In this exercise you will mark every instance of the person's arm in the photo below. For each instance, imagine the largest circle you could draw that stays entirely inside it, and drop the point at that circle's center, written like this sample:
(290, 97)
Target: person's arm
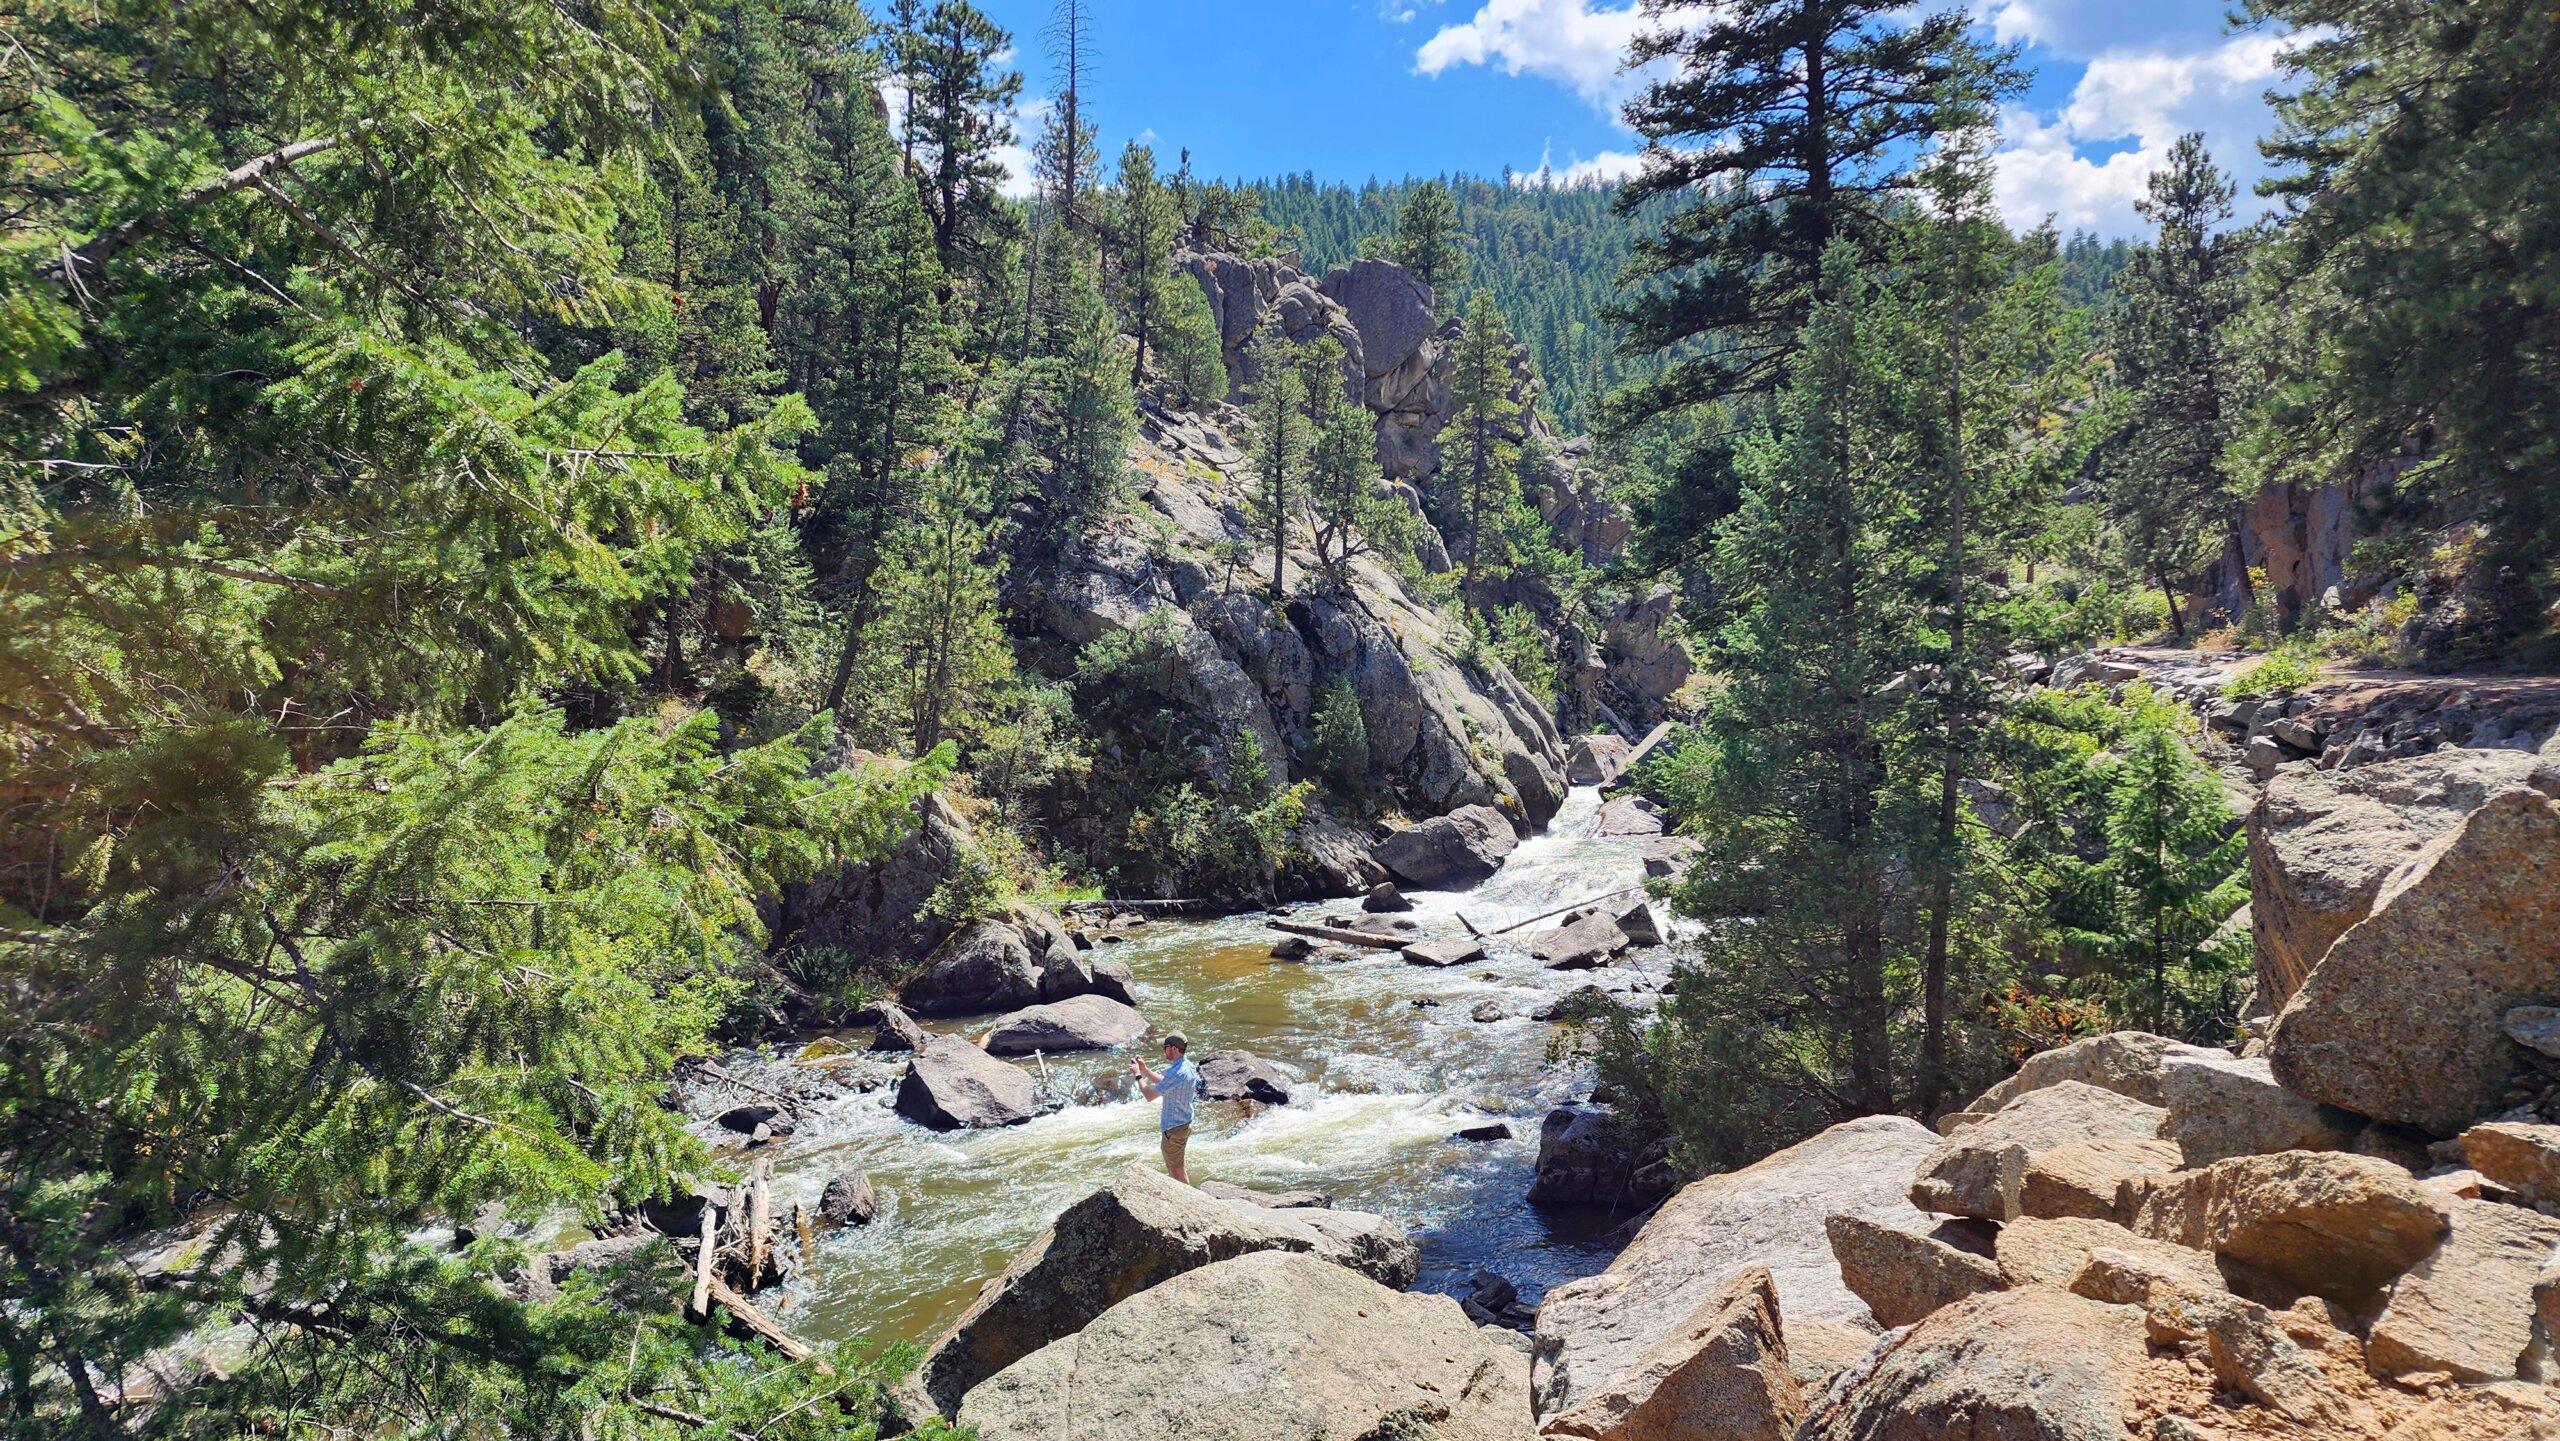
(1147, 1079)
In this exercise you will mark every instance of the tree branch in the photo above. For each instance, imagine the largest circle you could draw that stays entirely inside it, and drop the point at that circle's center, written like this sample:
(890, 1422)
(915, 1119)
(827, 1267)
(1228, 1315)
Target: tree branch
(94, 255)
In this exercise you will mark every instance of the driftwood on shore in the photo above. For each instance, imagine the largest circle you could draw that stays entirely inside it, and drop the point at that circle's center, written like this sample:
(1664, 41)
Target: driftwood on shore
(1185, 907)
(1344, 934)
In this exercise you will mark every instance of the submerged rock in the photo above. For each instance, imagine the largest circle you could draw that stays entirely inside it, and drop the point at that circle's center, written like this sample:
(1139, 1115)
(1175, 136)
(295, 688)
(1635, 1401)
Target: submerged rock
(1456, 951)
(1138, 1232)
(1268, 1345)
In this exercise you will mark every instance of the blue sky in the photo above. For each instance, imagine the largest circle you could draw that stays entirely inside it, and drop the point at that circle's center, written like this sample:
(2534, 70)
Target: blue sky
(1349, 89)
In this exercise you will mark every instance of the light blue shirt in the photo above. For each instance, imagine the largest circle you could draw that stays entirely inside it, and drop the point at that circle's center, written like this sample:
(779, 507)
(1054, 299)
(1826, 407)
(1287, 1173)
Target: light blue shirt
(1179, 1086)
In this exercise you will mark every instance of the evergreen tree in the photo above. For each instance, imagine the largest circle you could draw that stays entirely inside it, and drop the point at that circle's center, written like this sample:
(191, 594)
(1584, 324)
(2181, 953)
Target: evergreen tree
(938, 646)
(1148, 283)
(2168, 493)
(1281, 438)
(1785, 126)
(2416, 276)
(960, 122)
(2151, 911)
(1072, 404)
(1427, 239)
(1788, 1022)
(1351, 512)
(1478, 453)
(1195, 359)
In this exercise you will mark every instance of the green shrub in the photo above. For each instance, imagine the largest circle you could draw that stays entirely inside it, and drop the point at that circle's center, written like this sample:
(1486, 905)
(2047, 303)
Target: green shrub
(1339, 745)
(2280, 672)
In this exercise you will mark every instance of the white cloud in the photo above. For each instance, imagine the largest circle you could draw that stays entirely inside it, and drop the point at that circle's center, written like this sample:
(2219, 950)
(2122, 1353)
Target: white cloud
(1564, 40)
(2136, 104)
(1600, 169)
(1029, 114)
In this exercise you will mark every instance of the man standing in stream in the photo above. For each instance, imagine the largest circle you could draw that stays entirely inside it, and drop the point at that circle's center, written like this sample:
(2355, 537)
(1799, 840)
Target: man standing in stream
(1179, 1086)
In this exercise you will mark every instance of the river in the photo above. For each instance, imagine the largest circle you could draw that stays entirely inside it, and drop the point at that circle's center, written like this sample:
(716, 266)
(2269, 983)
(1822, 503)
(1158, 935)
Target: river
(1389, 1061)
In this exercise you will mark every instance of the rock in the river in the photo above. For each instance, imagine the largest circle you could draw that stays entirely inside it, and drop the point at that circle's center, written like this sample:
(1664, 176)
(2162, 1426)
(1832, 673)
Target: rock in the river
(1082, 1023)
(745, 1119)
(848, 1199)
(2523, 1158)
(1491, 1131)
(1292, 948)
(1668, 855)
(1259, 1348)
(1460, 848)
(1627, 816)
(1583, 1158)
(2035, 1364)
(1770, 1213)
(1141, 1230)
(2125, 1062)
(1456, 951)
(2322, 842)
(1114, 981)
(1587, 939)
(1905, 1275)
(1595, 760)
(1980, 1170)
(2221, 1107)
(1722, 1373)
(987, 965)
(897, 1031)
(2466, 1309)
(1065, 973)
(1385, 897)
(1233, 1075)
(2405, 1018)
(951, 1085)
(2323, 1223)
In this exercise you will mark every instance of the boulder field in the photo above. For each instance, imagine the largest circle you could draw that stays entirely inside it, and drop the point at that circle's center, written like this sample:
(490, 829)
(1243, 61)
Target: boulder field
(2352, 1232)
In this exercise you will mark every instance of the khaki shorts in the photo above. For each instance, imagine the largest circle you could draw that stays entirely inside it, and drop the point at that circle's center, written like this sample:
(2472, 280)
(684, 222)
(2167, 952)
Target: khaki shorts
(1174, 1141)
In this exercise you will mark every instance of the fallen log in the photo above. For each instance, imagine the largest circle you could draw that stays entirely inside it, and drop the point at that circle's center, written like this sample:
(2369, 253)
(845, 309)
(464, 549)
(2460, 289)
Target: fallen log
(745, 1313)
(1185, 907)
(1560, 910)
(1343, 934)
(759, 1219)
(702, 1259)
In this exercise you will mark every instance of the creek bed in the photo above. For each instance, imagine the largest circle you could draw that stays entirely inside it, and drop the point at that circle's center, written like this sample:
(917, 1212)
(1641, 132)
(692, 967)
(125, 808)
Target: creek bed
(1383, 1083)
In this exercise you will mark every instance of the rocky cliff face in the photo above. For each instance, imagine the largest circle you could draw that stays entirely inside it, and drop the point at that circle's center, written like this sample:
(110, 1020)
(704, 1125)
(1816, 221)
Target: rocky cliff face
(1397, 353)
(1445, 729)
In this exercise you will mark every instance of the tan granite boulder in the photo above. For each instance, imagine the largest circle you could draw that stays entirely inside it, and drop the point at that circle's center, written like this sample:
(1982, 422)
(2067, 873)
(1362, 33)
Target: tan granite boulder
(1905, 1275)
(2321, 1223)
(2523, 1158)
(1979, 1170)
(1723, 1373)
(2466, 1310)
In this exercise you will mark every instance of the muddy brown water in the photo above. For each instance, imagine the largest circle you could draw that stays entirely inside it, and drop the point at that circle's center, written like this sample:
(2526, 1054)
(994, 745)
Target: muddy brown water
(1389, 1064)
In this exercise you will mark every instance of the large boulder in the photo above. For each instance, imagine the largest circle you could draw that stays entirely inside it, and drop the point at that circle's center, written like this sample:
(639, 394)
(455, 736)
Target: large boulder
(988, 965)
(2036, 1364)
(1080, 1023)
(1596, 760)
(1584, 1159)
(876, 909)
(1905, 1275)
(1393, 312)
(1589, 938)
(2031, 1251)
(1460, 848)
(2404, 1019)
(848, 1199)
(1233, 1075)
(1257, 1348)
(1140, 1231)
(2125, 1062)
(1980, 1170)
(2323, 842)
(2230, 1106)
(951, 1085)
(2523, 1158)
(1722, 1373)
(1770, 1214)
(2319, 1223)
(897, 1030)
(2466, 1309)
(2087, 1178)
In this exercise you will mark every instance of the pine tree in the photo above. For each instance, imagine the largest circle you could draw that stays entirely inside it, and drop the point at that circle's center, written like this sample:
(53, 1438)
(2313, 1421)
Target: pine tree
(1786, 126)
(1148, 284)
(2167, 490)
(1351, 511)
(1073, 410)
(1195, 358)
(1427, 238)
(964, 99)
(1280, 441)
(1478, 452)
(937, 646)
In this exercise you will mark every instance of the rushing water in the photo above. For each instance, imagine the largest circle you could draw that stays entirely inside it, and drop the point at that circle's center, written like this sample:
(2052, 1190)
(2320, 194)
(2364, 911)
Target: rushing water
(1383, 1083)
